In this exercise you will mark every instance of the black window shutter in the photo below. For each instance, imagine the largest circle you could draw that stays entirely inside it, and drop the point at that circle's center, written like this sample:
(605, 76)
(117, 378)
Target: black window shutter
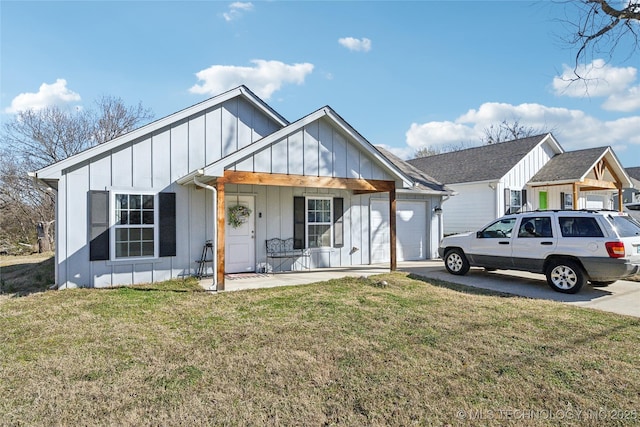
(298, 223)
(338, 222)
(98, 225)
(523, 200)
(167, 224)
(507, 201)
(561, 200)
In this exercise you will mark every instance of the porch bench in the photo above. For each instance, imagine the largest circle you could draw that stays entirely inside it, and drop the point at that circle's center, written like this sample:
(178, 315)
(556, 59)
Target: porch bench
(282, 250)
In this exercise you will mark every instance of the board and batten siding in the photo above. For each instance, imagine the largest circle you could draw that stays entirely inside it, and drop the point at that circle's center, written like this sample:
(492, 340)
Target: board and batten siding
(152, 162)
(274, 218)
(417, 232)
(527, 167)
(317, 149)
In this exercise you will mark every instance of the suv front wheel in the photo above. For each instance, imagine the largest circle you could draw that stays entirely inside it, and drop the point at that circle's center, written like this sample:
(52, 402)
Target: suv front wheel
(565, 276)
(455, 262)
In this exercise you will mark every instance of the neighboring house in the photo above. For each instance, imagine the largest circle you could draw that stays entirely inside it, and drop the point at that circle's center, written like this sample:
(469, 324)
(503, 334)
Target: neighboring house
(141, 208)
(489, 180)
(522, 175)
(586, 179)
(632, 195)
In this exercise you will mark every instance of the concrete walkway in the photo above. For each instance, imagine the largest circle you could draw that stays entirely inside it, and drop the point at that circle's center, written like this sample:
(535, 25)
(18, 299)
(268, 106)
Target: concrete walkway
(290, 278)
(622, 297)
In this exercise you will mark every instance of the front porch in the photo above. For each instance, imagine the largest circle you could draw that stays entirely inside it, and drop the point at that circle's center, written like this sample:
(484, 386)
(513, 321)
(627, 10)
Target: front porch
(292, 278)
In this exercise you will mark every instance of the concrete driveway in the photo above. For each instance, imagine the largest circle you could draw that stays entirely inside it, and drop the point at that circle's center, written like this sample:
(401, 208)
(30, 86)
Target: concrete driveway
(622, 297)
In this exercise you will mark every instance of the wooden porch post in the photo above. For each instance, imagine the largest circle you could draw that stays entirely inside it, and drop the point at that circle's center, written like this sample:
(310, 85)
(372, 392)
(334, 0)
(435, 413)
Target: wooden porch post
(392, 228)
(620, 204)
(220, 243)
(576, 189)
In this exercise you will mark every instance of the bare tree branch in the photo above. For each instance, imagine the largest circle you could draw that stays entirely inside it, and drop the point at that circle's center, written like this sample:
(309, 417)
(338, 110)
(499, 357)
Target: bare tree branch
(601, 26)
(34, 139)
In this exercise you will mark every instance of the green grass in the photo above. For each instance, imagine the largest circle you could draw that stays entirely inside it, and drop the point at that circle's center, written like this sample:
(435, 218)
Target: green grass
(344, 352)
(25, 274)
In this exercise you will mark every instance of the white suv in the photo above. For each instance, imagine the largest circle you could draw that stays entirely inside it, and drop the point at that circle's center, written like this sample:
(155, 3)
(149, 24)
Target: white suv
(569, 247)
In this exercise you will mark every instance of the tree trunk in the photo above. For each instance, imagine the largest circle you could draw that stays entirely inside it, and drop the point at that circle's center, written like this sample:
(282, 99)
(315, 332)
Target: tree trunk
(44, 242)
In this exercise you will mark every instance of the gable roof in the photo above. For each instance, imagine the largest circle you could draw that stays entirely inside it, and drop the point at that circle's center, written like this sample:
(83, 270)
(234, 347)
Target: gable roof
(217, 168)
(634, 174)
(422, 181)
(574, 166)
(485, 163)
(53, 171)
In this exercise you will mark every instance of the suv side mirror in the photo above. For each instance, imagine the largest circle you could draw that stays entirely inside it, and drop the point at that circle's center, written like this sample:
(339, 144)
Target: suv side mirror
(479, 234)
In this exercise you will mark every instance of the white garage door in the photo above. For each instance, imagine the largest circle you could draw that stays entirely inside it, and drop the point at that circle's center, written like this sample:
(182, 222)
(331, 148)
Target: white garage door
(411, 231)
(595, 202)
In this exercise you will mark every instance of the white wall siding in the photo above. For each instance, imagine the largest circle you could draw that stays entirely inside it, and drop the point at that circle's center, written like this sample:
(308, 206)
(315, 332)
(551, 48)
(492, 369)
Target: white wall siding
(152, 163)
(179, 150)
(521, 173)
(311, 148)
(142, 165)
(316, 150)
(326, 153)
(197, 142)
(471, 211)
(121, 167)
(78, 269)
(161, 159)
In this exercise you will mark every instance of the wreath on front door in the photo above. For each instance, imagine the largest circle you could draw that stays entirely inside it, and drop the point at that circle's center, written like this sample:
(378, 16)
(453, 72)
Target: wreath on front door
(238, 215)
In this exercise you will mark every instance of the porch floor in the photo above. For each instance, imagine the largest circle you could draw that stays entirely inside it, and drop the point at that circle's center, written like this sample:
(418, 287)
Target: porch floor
(290, 278)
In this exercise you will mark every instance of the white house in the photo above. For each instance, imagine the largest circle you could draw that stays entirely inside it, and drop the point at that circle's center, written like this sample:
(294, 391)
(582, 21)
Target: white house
(140, 208)
(522, 175)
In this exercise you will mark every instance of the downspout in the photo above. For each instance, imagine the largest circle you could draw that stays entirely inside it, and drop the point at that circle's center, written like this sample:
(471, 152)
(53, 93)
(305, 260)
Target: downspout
(440, 219)
(215, 229)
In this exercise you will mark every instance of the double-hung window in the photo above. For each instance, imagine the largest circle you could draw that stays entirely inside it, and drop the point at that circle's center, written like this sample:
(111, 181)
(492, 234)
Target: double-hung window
(319, 222)
(135, 225)
(124, 226)
(514, 201)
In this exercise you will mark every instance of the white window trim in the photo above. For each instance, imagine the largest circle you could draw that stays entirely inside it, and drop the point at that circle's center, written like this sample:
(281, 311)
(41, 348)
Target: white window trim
(306, 220)
(113, 226)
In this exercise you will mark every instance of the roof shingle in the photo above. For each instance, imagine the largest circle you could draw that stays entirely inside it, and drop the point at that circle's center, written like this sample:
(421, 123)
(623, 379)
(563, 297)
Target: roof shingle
(488, 162)
(569, 166)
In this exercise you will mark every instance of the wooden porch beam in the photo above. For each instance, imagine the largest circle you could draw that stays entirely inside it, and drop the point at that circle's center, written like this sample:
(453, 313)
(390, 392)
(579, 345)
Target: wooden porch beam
(392, 229)
(220, 233)
(284, 180)
(595, 184)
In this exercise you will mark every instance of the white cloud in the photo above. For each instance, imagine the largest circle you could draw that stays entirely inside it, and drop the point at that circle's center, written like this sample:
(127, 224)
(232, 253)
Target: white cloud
(358, 45)
(625, 101)
(48, 95)
(264, 79)
(438, 133)
(573, 128)
(599, 79)
(236, 9)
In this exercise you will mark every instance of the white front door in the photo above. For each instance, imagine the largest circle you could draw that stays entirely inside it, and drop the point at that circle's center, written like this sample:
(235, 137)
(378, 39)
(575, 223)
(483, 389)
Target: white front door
(239, 242)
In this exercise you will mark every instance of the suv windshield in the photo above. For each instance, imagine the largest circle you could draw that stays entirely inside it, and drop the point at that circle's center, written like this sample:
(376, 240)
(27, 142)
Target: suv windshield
(624, 225)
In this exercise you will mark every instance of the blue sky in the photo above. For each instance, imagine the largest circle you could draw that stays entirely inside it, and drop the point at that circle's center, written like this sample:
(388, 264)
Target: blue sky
(404, 74)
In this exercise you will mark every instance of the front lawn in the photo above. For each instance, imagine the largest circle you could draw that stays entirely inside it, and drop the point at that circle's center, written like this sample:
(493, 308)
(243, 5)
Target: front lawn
(350, 351)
